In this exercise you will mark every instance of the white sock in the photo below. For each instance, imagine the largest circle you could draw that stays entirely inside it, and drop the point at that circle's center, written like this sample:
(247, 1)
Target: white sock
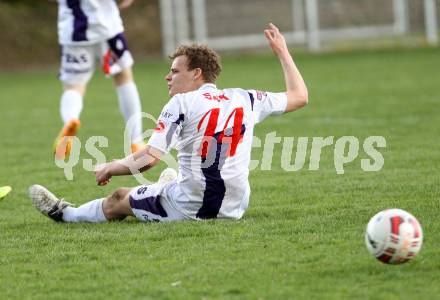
(88, 212)
(71, 105)
(130, 104)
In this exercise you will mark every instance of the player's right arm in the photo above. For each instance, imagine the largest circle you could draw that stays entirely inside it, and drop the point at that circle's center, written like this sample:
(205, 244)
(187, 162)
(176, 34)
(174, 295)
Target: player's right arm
(163, 139)
(296, 89)
(139, 161)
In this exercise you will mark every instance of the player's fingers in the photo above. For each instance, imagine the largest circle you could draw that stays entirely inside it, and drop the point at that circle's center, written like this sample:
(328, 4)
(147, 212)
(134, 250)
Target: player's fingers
(124, 4)
(271, 35)
(104, 182)
(274, 28)
(268, 35)
(99, 178)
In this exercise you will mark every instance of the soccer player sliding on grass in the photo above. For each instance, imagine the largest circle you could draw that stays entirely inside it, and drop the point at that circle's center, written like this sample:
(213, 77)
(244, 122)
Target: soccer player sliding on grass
(212, 130)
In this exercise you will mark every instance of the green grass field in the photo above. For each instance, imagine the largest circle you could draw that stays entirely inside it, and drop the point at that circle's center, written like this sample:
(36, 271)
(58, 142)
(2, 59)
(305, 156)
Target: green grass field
(301, 238)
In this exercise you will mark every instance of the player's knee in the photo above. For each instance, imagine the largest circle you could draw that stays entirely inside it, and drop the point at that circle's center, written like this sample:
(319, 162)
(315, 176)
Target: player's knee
(80, 88)
(113, 206)
(119, 194)
(125, 76)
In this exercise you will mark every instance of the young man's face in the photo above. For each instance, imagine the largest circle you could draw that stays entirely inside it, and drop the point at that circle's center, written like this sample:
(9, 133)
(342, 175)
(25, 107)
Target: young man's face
(180, 79)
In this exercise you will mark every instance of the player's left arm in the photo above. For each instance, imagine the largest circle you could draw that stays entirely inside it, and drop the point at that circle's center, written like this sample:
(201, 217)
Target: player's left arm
(139, 161)
(296, 89)
(125, 3)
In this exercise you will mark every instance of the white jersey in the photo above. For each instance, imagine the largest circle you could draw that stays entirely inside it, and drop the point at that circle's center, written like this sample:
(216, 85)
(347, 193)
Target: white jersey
(212, 131)
(85, 22)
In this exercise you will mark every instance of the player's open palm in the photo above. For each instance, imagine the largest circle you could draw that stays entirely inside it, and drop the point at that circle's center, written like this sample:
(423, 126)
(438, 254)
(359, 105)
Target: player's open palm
(276, 40)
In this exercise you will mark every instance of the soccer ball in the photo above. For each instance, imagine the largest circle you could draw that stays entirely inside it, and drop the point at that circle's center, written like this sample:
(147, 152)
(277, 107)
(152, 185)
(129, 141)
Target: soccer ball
(394, 236)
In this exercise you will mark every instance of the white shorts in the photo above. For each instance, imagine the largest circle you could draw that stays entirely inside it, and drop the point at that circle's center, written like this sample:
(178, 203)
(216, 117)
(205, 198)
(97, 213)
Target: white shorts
(150, 203)
(78, 62)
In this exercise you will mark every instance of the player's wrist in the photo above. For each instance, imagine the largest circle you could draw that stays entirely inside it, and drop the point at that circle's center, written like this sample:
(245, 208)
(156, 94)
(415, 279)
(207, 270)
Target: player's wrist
(284, 54)
(117, 167)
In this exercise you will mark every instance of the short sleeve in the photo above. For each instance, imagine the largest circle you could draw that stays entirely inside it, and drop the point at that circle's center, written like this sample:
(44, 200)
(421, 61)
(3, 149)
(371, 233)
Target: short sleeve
(266, 103)
(168, 127)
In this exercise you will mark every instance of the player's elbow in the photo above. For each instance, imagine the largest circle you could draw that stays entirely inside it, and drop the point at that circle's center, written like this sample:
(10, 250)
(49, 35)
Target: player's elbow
(297, 100)
(303, 98)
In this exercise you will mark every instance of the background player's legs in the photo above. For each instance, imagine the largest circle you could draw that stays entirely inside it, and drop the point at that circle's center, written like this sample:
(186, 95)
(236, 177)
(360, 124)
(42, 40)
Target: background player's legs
(130, 104)
(70, 108)
(72, 102)
(117, 61)
(77, 67)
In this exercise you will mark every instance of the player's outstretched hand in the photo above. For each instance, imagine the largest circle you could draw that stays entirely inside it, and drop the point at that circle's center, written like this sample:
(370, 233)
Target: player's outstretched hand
(102, 174)
(276, 40)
